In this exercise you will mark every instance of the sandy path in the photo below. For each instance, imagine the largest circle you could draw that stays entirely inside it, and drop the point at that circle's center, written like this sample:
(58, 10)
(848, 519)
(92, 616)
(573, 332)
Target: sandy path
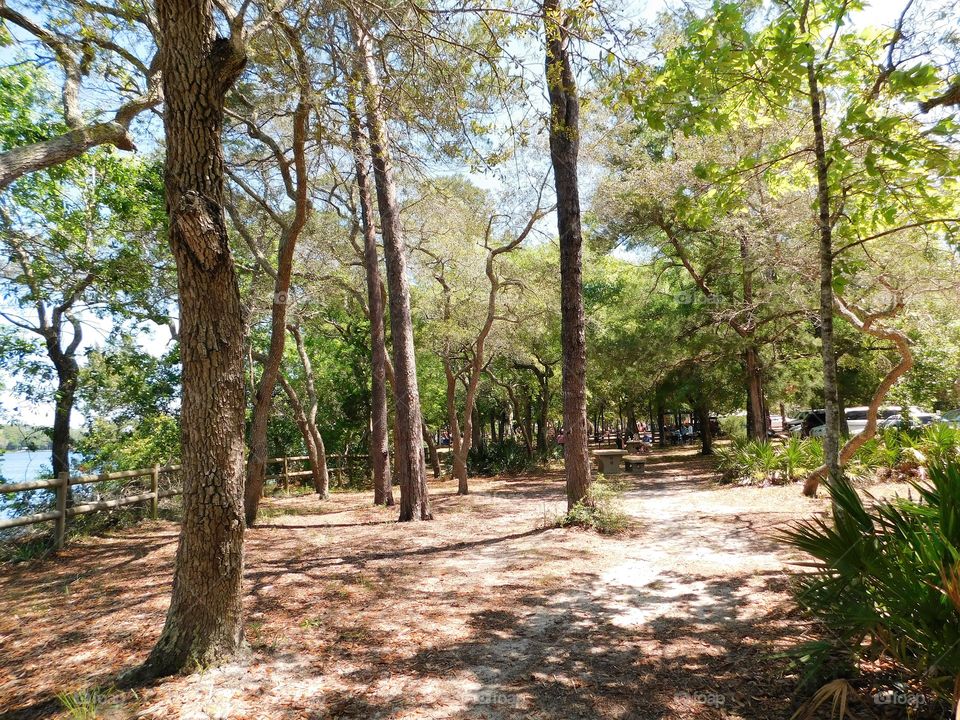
(486, 612)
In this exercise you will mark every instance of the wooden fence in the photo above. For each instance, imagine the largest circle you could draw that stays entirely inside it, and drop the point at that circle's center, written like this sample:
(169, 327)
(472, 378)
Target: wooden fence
(61, 486)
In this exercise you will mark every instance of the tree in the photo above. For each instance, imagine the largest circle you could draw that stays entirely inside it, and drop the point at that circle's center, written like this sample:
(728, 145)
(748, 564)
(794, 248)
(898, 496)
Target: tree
(379, 361)
(874, 170)
(409, 456)
(81, 37)
(292, 167)
(564, 146)
(204, 621)
(462, 253)
(73, 252)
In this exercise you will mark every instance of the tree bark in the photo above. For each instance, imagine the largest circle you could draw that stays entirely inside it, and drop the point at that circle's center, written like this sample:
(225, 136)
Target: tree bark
(756, 415)
(831, 441)
(68, 372)
(204, 621)
(318, 461)
(379, 442)
(324, 490)
(409, 456)
(434, 456)
(564, 148)
(866, 323)
(290, 232)
(706, 434)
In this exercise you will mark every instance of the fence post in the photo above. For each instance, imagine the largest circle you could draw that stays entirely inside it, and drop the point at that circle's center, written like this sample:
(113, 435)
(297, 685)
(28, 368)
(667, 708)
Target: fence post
(62, 489)
(155, 489)
(286, 476)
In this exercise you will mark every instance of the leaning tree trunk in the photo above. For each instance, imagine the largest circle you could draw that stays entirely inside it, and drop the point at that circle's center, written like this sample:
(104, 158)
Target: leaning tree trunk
(564, 148)
(379, 441)
(866, 323)
(831, 441)
(263, 402)
(204, 621)
(318, 461)
(324, 490)
(409, 457)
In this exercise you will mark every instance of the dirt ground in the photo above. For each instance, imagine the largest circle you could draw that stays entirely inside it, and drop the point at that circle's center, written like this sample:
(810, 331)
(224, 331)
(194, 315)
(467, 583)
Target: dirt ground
(487, 612)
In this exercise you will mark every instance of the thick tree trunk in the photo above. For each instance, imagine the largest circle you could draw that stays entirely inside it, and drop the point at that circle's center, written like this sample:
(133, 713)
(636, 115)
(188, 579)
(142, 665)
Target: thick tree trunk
(318, 461)
(756, 415)
(409, 456)
(706, 434)
(68, 372)
(379, 442)
(204, 621)
(831, 441)
(564, 148)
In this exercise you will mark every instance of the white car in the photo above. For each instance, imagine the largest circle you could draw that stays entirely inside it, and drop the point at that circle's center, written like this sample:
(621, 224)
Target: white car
(888, 416)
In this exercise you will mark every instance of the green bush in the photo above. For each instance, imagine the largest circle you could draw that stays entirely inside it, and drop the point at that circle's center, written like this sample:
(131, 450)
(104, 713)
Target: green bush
(734, 427)
(759, 461)
(507, 457)
(602, 510)
(887, 578)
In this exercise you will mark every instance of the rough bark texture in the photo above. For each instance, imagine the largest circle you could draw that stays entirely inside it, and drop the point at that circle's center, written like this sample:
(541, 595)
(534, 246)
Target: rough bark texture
(379, 442)
(831, 441)
(564, 148)
(756, 415)
(409, 456)
(204, 620)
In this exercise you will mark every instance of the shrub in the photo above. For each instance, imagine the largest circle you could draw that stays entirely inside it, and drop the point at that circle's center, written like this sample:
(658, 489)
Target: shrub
(734, 427)
(887, 577)
(507, 457)
(602, 510)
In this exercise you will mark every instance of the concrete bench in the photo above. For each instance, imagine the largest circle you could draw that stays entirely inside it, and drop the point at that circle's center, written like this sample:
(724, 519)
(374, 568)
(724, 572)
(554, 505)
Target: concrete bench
(635, 463)
(609, 461)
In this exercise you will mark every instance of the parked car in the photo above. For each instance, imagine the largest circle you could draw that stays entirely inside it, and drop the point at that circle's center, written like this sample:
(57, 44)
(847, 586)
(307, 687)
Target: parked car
(795, 425)
(951, 417)
(887, 416)
(911, 420)
(814, 423)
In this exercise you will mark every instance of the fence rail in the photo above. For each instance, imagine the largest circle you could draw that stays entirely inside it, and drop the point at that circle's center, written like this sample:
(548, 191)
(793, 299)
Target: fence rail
(61, 486)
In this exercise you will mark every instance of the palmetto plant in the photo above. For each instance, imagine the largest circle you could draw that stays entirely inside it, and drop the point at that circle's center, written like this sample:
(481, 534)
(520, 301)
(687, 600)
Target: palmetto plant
(887, 576)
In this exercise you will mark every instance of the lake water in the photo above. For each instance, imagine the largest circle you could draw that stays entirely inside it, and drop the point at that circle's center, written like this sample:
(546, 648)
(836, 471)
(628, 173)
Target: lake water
(24, 465)
(20, 466)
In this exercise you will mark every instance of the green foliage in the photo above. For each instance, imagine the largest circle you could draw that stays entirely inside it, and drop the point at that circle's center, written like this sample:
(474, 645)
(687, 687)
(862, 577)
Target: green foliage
(496, 458)
(13, 437)
(762, 462)
(601, 511)
(886, 579)
(84, 704)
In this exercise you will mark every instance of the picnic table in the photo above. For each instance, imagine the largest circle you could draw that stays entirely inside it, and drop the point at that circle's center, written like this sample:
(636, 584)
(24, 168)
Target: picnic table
(609, 460)
(638, 446)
